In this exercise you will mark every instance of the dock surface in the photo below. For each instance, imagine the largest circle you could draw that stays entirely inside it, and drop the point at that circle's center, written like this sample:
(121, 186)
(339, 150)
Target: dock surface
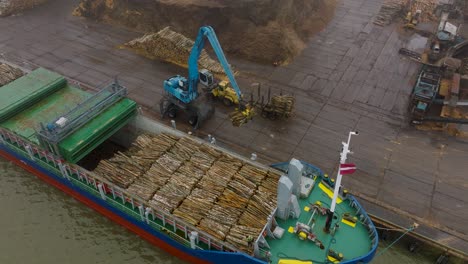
(349, 77)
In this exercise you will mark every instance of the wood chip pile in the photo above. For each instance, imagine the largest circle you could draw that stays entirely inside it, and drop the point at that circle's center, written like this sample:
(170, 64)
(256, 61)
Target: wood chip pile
(390, 10)
(218, 193)
(173, 47)
(9, 73)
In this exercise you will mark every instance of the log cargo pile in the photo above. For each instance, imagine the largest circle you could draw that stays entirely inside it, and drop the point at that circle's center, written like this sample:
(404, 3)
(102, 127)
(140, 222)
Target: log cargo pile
(390, 10)
(427, 8)
(173, 47)
(282, 105)
(9, 73)
(219, 193)
(10, 7)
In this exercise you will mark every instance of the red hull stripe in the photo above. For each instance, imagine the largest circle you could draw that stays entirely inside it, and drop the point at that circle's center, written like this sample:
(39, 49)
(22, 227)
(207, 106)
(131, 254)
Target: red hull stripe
(114, 217)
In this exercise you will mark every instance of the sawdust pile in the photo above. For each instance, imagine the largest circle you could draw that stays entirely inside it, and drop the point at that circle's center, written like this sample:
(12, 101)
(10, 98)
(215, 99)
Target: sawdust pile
(10, 7)
(173, 47)
(263, 30)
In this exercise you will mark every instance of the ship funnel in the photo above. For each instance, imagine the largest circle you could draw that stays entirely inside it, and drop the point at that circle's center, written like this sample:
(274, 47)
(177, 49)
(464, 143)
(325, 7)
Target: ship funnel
(295, 175)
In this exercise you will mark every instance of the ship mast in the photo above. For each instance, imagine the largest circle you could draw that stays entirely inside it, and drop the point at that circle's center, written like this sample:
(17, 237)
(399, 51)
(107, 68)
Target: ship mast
(343, 156)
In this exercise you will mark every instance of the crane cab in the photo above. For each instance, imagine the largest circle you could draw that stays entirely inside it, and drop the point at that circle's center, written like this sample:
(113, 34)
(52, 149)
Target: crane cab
(206, 78)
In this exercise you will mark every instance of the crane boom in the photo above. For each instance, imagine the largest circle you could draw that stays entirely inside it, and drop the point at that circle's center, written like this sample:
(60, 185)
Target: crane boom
(207, 32)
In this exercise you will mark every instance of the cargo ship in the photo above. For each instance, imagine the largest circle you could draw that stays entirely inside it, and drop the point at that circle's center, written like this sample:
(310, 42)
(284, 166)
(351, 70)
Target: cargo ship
(193, 199)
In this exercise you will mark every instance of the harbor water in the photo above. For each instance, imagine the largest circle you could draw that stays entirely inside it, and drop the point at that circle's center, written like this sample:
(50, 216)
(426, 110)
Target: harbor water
(42, 225)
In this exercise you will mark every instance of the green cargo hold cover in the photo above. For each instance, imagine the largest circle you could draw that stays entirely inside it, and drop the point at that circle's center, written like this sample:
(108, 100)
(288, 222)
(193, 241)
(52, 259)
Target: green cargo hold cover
(91, 135)
(24, 92)
(48, 109)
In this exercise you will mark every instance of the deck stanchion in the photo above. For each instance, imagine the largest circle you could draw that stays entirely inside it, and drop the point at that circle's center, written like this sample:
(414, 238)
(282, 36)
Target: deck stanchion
(30, 152)
(101, 191)
(142, 212)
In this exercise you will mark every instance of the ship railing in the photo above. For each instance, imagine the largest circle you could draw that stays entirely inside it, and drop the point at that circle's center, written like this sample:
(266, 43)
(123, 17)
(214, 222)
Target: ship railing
(147, 212)
(266, 231)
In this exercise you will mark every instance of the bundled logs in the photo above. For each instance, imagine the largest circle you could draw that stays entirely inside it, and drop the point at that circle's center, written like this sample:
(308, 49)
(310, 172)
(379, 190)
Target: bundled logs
(120, 169)
(220, 194)
(282, 105)
(464, 67)
(9, 74)
(10, 7)
(389, 11)
(173, 47)
(427, 8)
(240, 235)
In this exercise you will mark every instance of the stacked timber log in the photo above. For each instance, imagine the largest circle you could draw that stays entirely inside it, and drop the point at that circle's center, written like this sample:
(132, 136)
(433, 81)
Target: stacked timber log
(239, 235)
(282, 105)
(464, 67)
(219, 193)
(427, 8)
(10, 7)
(173, 47)
(390, 10)
(9, 73)
(120, 169)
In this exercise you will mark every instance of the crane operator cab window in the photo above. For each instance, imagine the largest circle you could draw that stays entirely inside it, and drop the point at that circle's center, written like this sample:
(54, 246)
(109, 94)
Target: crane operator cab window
(183, 85)
(206, 77)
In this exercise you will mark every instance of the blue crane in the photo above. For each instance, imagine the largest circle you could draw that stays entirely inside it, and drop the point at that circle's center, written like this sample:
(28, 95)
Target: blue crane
(183, 94)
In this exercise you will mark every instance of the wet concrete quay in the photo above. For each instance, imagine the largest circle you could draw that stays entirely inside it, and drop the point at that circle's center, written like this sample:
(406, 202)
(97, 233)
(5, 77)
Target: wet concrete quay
(350, 77)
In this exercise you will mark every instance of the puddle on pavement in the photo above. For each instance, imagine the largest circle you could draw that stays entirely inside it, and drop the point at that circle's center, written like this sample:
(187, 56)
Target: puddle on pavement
(417, 43)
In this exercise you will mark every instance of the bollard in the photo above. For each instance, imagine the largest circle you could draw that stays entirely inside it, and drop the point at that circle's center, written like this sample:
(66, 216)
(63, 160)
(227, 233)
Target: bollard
(253, 156)
(173, 124)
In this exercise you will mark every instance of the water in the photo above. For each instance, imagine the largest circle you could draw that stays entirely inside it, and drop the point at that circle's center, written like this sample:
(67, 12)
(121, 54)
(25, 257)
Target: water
(42, 225)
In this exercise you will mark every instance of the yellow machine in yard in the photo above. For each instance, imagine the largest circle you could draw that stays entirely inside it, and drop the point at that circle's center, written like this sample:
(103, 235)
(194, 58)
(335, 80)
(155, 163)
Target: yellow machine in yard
(226, 93)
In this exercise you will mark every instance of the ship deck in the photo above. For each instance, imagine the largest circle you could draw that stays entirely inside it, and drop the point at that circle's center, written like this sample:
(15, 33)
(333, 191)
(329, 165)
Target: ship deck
(352, 241)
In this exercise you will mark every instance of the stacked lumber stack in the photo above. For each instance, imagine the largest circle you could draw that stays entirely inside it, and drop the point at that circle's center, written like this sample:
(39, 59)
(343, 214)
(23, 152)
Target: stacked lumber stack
(173, 47)
(9, 73)
(390, 10)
